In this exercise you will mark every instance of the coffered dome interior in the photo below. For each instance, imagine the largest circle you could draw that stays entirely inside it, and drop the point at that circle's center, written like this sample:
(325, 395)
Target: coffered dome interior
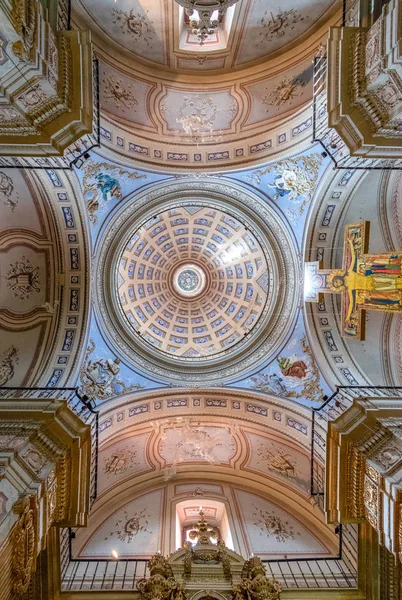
(193, 281)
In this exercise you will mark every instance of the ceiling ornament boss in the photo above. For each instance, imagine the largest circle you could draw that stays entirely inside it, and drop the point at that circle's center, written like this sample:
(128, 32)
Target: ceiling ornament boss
(208, 12)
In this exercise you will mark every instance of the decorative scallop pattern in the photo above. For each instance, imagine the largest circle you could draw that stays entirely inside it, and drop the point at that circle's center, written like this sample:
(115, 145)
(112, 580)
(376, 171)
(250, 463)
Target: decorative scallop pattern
(196, 243)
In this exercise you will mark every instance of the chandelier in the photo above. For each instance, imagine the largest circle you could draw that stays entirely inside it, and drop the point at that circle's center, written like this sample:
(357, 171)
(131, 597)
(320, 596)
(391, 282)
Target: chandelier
(208, 13)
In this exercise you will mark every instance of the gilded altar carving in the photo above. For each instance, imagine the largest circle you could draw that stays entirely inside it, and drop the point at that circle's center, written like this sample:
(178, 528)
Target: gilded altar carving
(255, 584)
(161, 585)
(355, 483)
(24, 547)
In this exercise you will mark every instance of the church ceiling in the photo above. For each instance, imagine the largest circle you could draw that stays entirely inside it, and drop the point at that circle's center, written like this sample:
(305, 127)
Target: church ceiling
(285, 190)
(150, 31)
(167, 106)
(44, 278)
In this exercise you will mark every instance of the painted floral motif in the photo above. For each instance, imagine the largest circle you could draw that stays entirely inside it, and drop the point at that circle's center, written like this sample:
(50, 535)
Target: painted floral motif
(286, 90)
(120, 461)
(293, 178)
(23, 279)
(101, 182)
(273, 526)
(277, 460)
(300, 377)
(275, 25)
(7, 196)
(134, 24)
(7, 363)
(131, 525)
(99, 377)
(118, 95)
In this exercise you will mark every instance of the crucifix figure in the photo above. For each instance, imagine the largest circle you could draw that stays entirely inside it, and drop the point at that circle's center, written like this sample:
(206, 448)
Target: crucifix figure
(366, 281)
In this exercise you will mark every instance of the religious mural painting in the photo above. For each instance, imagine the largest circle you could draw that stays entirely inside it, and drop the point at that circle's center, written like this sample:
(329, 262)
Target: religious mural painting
(294, 178)
(366, 281)
(296, 376)
(102, 182)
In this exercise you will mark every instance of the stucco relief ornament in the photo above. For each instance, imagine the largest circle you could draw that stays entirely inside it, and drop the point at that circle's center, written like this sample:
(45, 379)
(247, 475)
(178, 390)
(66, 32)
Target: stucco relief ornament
(118, 95)
(134, 24)
(131, 525)
(101, 183)
(99, 378)
(293, 178)
(288, 89)
(23, 279)
(7, 194)
(119, 461)
(7, 362)
(277, 460)
(271, 525)
(275, 25)
(189, 443)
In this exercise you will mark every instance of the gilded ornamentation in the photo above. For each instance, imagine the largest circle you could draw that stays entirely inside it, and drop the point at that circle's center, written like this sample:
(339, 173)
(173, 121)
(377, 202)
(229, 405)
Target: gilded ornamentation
(294, 177)
(371, 501)
(121, 97)
(277, 460)
(271, 525)
(161, 585)
(288, 89)
(7, 196)
(275, 25)
(24, 553)
(100, 187)
(24, 18)
(99, 378)
(119, 461)
(35, 459)
(254, 583)
(134, 24)
(23, 279)
(388, 457)
(32, 96)
(131, 525)
(7, 362)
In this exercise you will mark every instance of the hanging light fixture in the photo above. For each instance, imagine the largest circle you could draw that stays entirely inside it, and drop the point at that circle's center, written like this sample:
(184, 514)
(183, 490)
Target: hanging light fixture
(204, 15)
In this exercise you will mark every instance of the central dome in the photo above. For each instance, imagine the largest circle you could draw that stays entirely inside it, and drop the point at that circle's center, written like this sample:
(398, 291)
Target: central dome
(193, 281)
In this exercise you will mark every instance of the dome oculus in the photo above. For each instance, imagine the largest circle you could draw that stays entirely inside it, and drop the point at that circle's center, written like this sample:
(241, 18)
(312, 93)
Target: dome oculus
(189, 280)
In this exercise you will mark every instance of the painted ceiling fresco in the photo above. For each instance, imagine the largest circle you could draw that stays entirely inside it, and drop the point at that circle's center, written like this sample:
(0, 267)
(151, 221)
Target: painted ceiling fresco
(259, 29)
(289, 184)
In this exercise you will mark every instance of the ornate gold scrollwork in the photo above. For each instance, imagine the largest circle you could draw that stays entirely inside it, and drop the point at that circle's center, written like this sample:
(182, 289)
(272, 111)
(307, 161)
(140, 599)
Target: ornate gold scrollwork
(24, 548)
(161, 585)
(255, 584)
